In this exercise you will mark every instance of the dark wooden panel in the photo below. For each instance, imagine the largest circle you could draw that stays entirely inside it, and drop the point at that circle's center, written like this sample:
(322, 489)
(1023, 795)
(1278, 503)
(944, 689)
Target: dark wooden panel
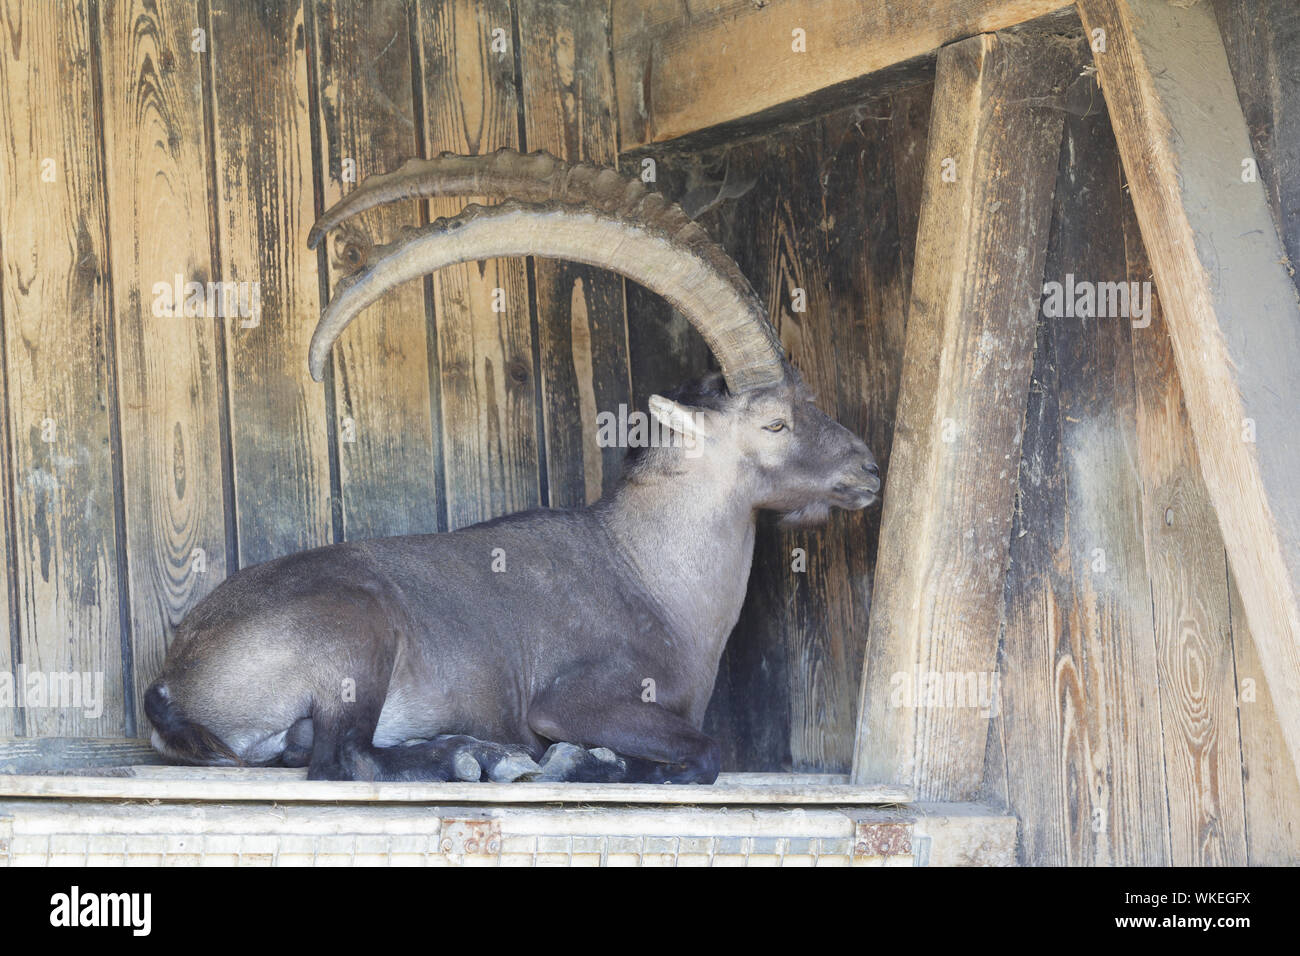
(265, 205)
(389, 448)
(59, 359)
(568, 92)
(664, 349)
(1084, 761)
(820, 217)
(909, 125)
(156, 159)
(485, 358)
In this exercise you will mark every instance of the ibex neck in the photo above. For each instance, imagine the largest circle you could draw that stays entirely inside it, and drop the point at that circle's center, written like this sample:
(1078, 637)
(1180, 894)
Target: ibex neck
(690, 542)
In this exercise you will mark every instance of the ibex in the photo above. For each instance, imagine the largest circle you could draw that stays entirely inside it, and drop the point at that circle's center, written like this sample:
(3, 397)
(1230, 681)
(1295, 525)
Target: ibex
(338, 658)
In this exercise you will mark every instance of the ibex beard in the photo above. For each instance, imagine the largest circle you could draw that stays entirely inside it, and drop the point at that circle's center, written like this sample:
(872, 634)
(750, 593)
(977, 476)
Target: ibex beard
(490, 643)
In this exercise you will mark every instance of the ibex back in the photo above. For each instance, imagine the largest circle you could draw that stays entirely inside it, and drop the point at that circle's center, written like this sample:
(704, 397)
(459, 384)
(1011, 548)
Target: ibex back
(602, 625)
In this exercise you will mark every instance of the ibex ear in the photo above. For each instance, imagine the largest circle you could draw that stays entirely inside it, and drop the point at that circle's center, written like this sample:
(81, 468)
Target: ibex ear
(682, 419)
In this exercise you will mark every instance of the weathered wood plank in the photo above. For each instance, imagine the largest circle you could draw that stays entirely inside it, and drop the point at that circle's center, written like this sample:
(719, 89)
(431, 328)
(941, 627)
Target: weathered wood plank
(1038, 726)
(1262, 40)
(909, 125)
(10, 643)
(1079, 673)
(568, 91)
(970, 333)
(1108, 622)
(160, 228)
(489, 416)
(680, 68)
(1268, 778)
(59, 360)
(389, 448)
(284, 785)
(1187, 570)
(41, 755)
(265, 205)
(1232, 309)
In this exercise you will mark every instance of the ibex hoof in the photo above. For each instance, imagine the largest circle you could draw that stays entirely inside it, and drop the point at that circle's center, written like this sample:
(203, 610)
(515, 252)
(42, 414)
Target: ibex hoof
(513, 767)
(569, 762)
(465, 767)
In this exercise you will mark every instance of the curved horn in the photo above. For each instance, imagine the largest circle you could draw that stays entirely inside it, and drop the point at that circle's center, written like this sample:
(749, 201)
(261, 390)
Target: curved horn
(567, 211)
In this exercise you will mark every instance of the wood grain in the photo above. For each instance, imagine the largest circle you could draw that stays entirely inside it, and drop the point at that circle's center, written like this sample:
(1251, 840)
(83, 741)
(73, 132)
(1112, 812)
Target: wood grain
(1079, 665)
(160, 227)
(485, 358)
(969, 348)
(1270, 788)
(389, 448)
(1232, 310)
(909, 125)
(265, 205)
(1188, 575)
(681, 68)
(581, 322)
(58, 344)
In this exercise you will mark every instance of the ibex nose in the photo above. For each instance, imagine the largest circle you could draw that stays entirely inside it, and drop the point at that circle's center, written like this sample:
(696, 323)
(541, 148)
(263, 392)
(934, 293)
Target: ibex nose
(873, 470)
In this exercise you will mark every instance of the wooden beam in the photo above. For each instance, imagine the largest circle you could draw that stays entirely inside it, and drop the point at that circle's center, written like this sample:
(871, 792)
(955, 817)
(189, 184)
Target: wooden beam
(680, 68)
(284, 785)
(989, 175)
(42, 832)
(60, 754)
(1231, 308)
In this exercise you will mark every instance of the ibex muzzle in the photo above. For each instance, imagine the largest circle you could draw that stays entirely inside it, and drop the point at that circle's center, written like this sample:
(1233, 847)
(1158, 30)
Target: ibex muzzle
(601, 626)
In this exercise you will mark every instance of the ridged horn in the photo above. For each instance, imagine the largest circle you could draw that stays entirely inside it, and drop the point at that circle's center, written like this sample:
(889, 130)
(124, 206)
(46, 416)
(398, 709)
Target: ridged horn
(558, 210)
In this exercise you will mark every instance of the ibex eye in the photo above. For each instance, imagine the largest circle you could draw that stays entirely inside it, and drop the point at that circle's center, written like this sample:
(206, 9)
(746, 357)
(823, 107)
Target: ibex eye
(776, 426)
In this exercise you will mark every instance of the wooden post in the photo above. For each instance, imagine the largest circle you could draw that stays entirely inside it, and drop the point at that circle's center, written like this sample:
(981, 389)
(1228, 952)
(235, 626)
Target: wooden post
(989, 180)
(1231, 308)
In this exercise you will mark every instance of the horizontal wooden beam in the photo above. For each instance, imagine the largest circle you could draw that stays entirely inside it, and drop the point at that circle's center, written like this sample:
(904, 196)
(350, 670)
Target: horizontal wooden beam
(284, 785)
(1231, 308)
(102, 833)
(681, 67)
(989, 177)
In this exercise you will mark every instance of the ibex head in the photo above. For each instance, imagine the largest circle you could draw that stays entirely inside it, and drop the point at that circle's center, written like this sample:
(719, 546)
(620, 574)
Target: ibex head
(772, 444)
(755, 420)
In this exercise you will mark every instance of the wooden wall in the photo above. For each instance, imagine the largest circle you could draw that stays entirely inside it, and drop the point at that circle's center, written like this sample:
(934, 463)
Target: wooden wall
(148, 457)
